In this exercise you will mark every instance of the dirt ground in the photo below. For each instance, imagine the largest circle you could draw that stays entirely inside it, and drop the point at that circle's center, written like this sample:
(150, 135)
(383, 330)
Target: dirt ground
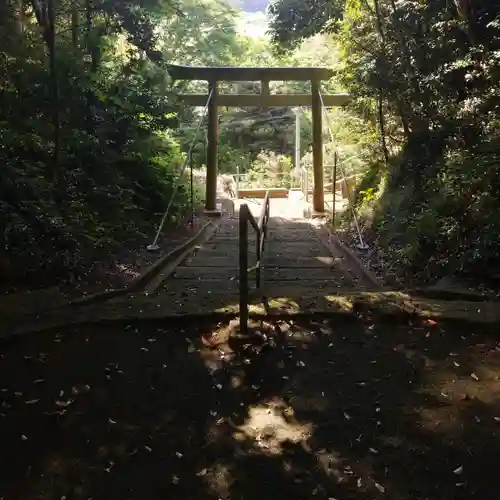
(328, 409)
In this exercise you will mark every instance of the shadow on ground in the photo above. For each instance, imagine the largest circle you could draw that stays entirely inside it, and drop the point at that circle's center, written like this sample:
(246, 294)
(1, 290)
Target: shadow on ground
(345, 409)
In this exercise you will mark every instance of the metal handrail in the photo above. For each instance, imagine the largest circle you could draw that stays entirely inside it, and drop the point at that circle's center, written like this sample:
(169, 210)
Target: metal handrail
(260, 228)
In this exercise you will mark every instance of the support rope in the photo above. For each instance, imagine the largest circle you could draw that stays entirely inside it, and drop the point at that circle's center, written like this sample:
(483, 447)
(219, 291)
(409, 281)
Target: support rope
(154, 246)
(362, 244)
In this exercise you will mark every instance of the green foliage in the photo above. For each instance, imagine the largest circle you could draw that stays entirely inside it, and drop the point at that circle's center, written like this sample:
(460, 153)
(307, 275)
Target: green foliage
(270, 170)
(201, 33)
(116, 163)
(451, 228)
(425, 79)
(293, 20)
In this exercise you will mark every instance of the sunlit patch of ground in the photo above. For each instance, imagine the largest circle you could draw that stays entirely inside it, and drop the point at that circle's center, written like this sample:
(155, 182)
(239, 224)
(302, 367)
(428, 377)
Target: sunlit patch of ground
(268, 427)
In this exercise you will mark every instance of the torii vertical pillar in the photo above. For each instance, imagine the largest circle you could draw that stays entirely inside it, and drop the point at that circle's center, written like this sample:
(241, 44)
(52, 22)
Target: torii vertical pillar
(212, 152)
(317, 149)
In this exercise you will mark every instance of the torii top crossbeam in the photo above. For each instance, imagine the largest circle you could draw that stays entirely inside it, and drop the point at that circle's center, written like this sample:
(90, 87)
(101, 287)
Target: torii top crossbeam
(236, 74)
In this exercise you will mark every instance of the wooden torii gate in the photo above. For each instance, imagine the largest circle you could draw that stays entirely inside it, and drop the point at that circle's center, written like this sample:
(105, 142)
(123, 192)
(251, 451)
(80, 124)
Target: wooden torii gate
(213, 75)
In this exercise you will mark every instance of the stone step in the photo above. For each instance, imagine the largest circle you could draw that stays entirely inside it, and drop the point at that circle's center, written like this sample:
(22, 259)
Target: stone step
(324, 275)
(228, 291)
(284, 253)
(324, 262)
(203, 260)
(206, 287)
(211, 251)
(290, 252)
(202, 273)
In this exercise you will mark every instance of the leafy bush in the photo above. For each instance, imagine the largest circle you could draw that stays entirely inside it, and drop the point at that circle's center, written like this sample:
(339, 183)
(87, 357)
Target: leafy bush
(88, 161)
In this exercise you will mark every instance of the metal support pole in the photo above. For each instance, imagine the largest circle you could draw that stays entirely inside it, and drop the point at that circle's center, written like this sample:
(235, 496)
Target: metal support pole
(190, 159)
(237, 180)
(257, 272)
(334, 187)
(297, 143)
(243, 260)
(306, 184)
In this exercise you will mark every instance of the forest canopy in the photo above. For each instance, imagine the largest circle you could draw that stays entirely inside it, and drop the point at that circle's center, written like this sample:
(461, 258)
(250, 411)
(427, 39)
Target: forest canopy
(427, 75)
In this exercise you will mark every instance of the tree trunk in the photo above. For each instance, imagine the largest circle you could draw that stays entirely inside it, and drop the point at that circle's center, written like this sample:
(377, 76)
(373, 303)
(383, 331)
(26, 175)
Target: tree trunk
(54, 83)
(18, 14)
(75, 23)
(404, 109)
(11, 16)
(381, 122)
(88, 43)
(404, 119)
(417, 119)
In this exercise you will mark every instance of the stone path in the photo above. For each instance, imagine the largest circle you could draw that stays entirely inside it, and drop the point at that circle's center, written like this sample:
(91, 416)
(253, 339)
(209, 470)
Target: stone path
(296, 258)
(295, 262)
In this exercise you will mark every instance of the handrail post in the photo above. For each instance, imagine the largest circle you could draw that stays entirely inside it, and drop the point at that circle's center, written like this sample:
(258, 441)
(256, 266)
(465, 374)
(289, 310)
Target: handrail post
(243, 269)
(257, 273)
(237, 181)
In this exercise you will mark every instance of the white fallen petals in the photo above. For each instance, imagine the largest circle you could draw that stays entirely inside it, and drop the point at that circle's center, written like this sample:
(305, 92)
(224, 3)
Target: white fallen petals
(346, 416)
(380, 488)
(458, 470)
(64, 404)
(474, 376)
